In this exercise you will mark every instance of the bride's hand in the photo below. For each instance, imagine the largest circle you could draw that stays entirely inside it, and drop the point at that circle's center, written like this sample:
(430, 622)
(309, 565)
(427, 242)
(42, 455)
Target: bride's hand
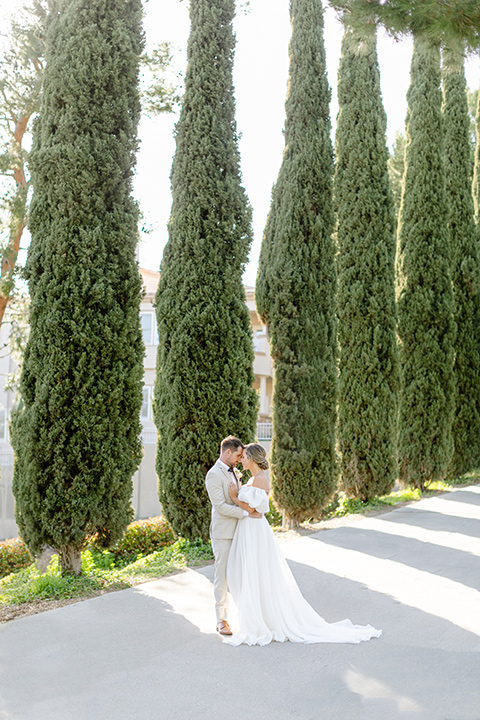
(232, 489)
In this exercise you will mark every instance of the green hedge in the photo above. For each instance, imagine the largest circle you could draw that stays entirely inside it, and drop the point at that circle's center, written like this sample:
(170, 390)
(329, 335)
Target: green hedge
(142, 537)
(274, 516)
(13, 556)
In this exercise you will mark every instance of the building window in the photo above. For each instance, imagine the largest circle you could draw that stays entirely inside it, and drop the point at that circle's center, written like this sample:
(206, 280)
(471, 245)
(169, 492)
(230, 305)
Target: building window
(149, 328)
(146, 411)
(259, 341)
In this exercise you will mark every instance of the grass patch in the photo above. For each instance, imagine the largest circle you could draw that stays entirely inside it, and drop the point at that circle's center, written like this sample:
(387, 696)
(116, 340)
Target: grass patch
(343, 505)
(27, 585)
(180, 555)
(99, 574)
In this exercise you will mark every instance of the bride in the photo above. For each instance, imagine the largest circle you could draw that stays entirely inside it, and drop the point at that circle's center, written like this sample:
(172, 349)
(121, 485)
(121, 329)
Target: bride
(269, 602)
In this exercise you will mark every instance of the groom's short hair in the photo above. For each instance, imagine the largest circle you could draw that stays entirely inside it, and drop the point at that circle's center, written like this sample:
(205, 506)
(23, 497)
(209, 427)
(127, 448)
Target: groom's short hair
(231, 443)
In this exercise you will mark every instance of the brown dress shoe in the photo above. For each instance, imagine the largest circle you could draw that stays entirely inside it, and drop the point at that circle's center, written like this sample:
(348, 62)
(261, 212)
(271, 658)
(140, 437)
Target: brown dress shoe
(223, 628)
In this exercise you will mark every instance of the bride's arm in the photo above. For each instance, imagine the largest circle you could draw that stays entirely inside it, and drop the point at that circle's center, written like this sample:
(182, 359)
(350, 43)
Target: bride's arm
(232, 489)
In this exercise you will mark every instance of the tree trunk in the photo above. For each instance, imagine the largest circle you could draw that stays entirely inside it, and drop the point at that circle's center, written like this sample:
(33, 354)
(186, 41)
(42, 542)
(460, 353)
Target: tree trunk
(289, 523)
(18, 220)
(70, 560)
(9, 261)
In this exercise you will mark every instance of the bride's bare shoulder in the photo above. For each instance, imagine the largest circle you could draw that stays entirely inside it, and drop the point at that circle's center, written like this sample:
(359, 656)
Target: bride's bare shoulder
(261, 481)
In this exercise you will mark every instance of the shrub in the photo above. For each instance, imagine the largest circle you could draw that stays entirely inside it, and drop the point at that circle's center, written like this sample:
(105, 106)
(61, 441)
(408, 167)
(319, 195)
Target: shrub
(142, 537)
(13, 556)
(274, 516)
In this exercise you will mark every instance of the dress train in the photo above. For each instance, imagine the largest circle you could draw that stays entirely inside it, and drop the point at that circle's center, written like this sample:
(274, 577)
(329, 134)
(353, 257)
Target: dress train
(269, 602)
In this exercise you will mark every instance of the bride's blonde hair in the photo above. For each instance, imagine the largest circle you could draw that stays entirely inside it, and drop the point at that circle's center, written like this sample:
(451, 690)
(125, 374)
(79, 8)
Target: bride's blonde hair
(258, 454)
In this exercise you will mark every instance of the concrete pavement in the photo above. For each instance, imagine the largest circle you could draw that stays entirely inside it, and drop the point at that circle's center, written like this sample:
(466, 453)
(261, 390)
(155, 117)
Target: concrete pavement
(151, 652)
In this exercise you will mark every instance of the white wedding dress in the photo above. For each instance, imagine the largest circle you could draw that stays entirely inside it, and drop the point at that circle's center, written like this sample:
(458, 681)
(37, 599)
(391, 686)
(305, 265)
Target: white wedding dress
(269, 602)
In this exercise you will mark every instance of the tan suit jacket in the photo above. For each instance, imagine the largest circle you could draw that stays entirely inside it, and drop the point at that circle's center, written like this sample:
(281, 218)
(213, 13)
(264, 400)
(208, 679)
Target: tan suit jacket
(225, 513)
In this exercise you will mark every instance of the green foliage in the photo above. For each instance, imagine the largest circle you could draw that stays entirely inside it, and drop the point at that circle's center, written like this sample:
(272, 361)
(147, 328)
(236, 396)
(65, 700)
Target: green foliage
(159, 95)
(368, 356)
(472, 100)
(100, 574)
(425, 303)
(76, 436)
(436, 21)
(476, 170)
(181, 554)
(396, 169)
(342, 505)
(295, 291)
(465, 265)
(273, 516)
(13, 556)
(29, 585)
(141, 537)
(204, 378)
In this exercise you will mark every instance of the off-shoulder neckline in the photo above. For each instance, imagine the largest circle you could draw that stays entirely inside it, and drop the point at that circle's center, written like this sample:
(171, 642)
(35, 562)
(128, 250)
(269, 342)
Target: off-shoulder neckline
(256, 488)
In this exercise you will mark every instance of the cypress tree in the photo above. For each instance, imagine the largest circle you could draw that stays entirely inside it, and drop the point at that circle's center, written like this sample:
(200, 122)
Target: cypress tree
(472, 100)
(203, 389)
(76, 437)
(465, 264)
(396, 170)
(476, 170)
(425, 301)
(437, 21)
(368, 355)
(296, 281)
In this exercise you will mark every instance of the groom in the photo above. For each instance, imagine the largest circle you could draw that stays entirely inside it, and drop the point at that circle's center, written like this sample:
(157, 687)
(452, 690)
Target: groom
(225, 515)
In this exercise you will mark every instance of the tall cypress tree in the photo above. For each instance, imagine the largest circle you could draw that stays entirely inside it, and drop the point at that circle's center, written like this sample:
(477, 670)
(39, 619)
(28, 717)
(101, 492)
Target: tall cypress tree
(465, 264)
(76, 437)
(425, 302)
(476, 170)
(203, 389)
(295, 291)
(368, 355)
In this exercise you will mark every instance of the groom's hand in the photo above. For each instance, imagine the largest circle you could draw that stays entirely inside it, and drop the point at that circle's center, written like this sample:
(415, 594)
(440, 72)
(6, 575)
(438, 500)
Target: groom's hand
(256, 514)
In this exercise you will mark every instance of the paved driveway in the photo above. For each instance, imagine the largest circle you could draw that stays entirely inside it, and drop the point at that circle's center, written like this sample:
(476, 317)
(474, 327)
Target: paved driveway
(151, 652)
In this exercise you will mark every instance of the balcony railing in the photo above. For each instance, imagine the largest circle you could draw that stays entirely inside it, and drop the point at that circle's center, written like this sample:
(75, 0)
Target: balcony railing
(264, 431)
(149, 436)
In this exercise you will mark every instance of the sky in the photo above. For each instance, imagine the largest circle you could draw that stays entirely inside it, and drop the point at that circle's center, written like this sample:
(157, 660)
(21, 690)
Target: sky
(260, 79)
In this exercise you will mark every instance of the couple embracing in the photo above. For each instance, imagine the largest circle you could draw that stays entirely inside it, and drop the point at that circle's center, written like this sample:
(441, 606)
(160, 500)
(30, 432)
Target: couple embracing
(250, 564)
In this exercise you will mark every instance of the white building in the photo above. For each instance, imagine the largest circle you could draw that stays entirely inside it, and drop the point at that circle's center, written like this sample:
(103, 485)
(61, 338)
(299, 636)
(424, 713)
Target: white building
(8, 527)
(145, 494)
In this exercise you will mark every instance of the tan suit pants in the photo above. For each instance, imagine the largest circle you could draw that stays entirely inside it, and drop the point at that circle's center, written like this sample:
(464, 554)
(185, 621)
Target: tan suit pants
(221, 550)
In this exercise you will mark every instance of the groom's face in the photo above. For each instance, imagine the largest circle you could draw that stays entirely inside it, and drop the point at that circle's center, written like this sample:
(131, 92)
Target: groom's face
(236, 455)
